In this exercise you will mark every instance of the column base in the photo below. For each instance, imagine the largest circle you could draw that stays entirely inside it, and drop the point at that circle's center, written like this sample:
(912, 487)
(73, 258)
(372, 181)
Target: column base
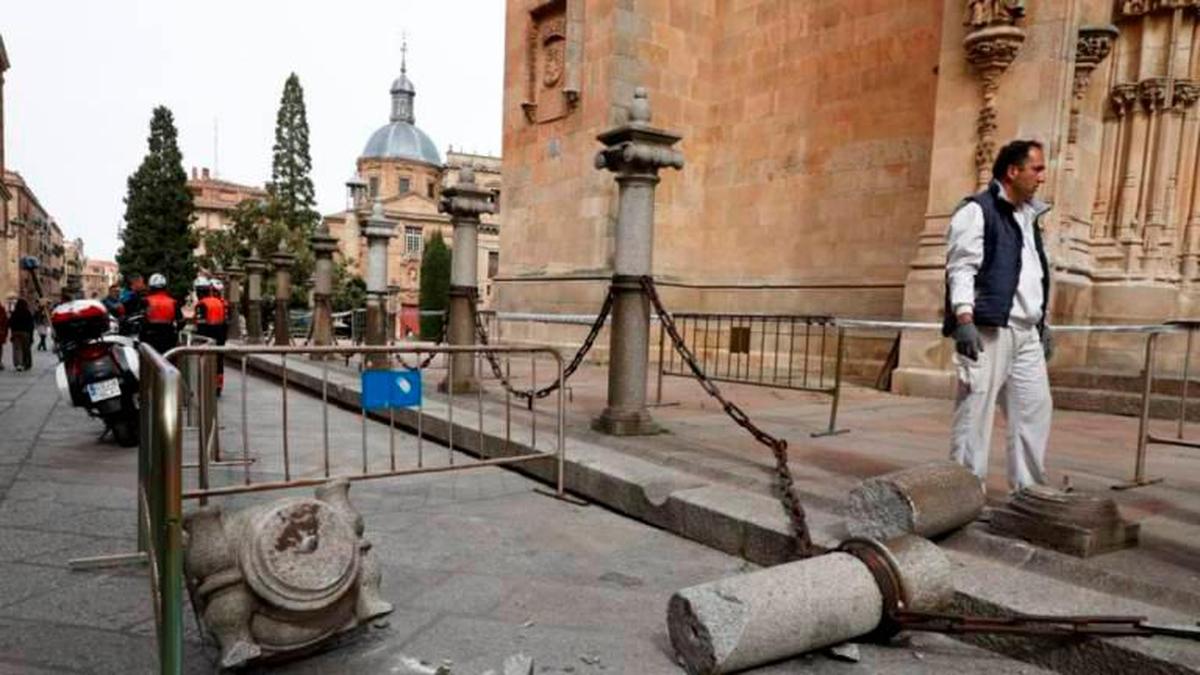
(468, 385)
(623, 423)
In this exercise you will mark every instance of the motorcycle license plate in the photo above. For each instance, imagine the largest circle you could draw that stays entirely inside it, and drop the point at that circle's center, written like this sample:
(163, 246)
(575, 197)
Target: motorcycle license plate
(103, 390)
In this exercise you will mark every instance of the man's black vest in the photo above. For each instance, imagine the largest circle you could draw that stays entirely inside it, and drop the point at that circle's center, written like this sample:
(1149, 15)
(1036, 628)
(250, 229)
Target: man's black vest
(999, 273)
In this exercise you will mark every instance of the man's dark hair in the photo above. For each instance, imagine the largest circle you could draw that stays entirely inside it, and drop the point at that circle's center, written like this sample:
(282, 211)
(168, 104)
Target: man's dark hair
(1013, 154)
(130, 278)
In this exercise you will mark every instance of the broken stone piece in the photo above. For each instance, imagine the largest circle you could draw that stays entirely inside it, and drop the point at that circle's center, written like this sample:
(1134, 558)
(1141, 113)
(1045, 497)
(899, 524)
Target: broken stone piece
(1077, 523)
(751, 619)
(927, 500)
(281, 577)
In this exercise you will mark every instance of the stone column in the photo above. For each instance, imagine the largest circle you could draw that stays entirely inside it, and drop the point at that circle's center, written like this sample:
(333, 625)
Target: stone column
(255, 266)
(233, 293)
(379, 231)
(635, 152)
(464, 203)
(393, 313)
(282, 261)
(323, 246)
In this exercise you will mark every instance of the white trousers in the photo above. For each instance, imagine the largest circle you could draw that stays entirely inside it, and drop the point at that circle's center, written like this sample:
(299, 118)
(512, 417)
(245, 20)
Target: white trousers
(1012, 368)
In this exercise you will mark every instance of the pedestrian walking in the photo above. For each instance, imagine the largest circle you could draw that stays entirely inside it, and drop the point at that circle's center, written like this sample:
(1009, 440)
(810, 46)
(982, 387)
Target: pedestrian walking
(20, 325)
(997, 287)
(163, 317)
(41, 323)
(3, 332)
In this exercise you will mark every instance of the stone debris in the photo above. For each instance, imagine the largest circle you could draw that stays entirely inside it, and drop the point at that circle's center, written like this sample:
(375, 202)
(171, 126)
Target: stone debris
(518, 664)
(847, 651)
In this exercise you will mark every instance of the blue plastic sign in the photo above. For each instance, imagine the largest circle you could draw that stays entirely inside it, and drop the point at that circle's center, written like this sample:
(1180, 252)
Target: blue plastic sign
(391, 389)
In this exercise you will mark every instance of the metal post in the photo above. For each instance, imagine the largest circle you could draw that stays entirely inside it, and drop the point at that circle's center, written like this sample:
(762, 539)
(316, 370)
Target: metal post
(465, 202)
(1139, 467)
(635, 152)
(1183, 395)
(837, 387)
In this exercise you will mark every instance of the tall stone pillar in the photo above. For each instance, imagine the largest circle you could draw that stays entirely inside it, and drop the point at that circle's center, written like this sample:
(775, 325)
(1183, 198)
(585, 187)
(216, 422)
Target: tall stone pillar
(282, 261)
(635, 152)
(379, 231)
(255, 266)
(464, 203)
(233, 295)
(323, 246)
(393, 313)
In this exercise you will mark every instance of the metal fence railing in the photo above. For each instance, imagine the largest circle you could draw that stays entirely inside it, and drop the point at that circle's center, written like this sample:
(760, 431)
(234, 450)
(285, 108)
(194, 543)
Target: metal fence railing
(799, 352)
(284, 458)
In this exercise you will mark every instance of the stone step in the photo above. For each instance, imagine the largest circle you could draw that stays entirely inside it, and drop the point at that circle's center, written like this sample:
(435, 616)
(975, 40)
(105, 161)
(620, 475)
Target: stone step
(1122, 402)
(1124, 381)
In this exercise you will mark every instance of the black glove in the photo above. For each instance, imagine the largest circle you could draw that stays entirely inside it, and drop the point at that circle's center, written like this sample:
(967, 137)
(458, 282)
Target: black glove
(1047, 343)
(967, 341)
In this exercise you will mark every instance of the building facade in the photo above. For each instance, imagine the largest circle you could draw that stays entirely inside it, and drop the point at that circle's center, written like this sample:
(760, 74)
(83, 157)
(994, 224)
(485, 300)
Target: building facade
(32, 233)
(8, 287)
(400, 165)
(828, 142)
(215, 201)
(97, 276)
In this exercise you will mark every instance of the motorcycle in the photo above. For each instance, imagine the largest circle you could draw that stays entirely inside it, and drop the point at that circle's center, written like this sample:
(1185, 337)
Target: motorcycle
(98, 368)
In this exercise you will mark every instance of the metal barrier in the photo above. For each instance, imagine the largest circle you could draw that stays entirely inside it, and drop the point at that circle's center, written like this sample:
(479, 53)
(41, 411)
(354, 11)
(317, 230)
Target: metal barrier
(161, 489)
(799, 352)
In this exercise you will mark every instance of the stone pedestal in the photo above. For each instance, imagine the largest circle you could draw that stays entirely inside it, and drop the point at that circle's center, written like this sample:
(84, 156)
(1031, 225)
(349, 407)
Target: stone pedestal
(282, 262)
(635, 152)
(379, 231)
(1076, 523)
(323, 246)
(233, 295)
(464, 203)
(255, 267)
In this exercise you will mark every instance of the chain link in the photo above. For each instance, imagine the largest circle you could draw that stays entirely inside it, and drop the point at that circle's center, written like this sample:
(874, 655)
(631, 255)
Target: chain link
(785, 484)
(432, 355)
(531, 394)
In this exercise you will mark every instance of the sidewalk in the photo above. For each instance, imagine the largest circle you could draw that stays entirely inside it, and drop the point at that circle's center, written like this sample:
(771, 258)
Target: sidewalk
(707, 479)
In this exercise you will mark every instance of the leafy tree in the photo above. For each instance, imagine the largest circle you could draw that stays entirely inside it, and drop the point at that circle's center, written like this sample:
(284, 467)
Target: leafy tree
(349, 289)
(435, 284)
(292, 197)
(159, 211)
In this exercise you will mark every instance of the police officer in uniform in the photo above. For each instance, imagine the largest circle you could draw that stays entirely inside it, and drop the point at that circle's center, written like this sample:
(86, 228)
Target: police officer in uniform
(163, 316)
(211, 316)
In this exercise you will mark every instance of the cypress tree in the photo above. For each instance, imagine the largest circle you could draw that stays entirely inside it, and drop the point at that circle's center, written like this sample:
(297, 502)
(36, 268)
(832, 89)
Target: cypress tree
(292, 198)
(158, 212)
(435, 285)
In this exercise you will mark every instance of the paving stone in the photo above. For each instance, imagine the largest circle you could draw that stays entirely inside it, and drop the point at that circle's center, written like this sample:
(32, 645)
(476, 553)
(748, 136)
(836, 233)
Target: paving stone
(23, 544)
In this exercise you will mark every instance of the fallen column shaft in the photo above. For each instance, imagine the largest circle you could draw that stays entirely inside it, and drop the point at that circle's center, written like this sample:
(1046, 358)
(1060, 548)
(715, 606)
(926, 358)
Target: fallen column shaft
(744, 621)
(926, 500)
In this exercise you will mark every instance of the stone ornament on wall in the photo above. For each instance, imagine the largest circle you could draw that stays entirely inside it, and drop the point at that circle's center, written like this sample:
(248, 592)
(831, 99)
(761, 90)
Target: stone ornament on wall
(1132, 8)
(552, 60)
(991, 47)
(281, 578)
(1091, 48)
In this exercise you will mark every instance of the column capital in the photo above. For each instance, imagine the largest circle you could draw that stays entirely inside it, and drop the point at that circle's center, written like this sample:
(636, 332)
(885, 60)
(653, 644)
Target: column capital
(379, 226)
(636, 147)
(466, 200)
(255, 264)
(281, 259)
(323, 243)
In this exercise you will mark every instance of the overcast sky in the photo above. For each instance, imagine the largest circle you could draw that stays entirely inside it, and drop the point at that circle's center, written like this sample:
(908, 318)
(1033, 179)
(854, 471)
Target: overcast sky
(85, 76)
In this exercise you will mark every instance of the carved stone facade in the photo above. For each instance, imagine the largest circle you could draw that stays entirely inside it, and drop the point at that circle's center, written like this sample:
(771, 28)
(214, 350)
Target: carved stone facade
(829, 144)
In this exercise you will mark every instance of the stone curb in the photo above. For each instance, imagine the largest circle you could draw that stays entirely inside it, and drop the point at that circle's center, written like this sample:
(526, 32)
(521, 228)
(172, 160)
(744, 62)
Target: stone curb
(754, 527)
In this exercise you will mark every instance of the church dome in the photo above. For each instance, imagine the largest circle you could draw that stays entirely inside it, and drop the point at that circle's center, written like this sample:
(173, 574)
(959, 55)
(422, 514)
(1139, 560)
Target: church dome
(402, 138)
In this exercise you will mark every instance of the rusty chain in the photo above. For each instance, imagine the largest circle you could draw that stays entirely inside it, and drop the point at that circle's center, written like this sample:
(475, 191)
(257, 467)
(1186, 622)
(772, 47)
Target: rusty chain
(424, 363)
(785, 484)
(531, 394)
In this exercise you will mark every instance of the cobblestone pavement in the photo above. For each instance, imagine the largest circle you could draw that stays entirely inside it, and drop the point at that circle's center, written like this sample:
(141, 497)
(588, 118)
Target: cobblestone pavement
(478, 565)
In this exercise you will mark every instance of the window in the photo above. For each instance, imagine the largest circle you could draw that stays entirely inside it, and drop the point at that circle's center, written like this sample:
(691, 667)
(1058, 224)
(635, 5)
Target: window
(430, 189)
(412, 240)
(373, 184)
(493, 263)
(405, 185)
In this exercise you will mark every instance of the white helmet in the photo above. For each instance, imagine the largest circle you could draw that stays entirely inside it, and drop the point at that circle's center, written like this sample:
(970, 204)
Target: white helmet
(216, 285)
(202, 283)
(158, 281)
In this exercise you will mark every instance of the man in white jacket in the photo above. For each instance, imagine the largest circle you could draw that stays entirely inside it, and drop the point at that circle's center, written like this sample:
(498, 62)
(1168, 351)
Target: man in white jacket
(997, 288)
